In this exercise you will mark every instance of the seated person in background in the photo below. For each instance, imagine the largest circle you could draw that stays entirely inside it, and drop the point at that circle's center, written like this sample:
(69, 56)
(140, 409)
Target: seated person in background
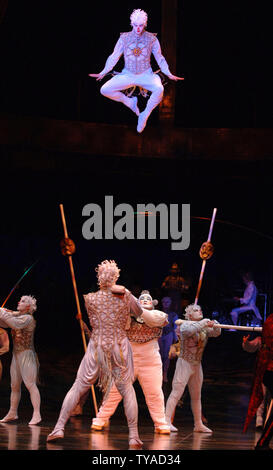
(248, 301)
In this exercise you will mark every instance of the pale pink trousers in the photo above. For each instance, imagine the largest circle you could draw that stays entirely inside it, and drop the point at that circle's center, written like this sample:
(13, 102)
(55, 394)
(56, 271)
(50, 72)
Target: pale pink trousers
(88, 374)
(148, 371)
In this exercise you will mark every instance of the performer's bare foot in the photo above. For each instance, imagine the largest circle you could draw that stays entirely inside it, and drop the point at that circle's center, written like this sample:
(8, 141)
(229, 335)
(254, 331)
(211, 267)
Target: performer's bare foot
(133, 105)
(201, 428)
(8, 417)
(55, 435)
(135, 443)
(36, 419)
(142, 121)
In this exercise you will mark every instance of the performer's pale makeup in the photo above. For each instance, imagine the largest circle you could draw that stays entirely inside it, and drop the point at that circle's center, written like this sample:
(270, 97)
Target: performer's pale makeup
(146, 301)
(196, 313)
(23, 306)
(138, 27)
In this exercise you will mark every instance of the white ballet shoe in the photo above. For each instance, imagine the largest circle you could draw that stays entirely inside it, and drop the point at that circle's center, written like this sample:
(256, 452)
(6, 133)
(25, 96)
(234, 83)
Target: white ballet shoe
(201, 428)
(142, 121)
(162, 430)
(173, 428)
(99, 425)
(55, 435)
(8, 418)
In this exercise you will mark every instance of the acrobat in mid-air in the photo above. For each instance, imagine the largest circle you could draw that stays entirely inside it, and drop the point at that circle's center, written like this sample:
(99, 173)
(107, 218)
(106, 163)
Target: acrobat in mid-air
(137, 46)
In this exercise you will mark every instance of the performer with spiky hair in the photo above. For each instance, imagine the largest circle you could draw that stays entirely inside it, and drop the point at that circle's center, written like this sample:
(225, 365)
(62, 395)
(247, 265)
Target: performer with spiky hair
(109, 355)
(143, 335)
(136, 47)
(193, 335)
(24, 365)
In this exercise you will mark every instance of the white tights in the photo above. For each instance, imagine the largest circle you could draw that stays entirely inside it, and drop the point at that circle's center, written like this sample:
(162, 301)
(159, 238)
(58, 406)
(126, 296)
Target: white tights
(148, 80)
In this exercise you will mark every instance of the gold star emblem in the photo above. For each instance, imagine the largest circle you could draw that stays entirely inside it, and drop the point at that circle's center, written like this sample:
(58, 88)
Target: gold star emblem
(137, 51)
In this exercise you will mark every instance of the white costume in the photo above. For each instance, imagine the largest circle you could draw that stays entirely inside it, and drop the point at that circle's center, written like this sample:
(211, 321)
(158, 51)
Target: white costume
(248, 302)
(136, 49)
(147, 369)
(24, 365)
(109, 355)
(188, 371)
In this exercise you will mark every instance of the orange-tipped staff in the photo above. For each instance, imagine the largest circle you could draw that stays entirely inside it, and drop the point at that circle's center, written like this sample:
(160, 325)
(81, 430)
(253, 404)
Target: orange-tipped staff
(206, 251)
(68, 248)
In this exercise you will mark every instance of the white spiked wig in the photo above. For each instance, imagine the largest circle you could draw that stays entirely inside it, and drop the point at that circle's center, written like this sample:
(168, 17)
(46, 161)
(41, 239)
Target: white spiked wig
(31, 301)
(107, 273)
(139, 15)
(189, 310)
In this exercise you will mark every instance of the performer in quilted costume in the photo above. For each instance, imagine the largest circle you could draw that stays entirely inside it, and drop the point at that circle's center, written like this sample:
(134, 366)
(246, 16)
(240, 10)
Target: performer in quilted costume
(24, 365)
(143, 335)
(194, 335)
(263, 376)
(136, 47)
(109, 355)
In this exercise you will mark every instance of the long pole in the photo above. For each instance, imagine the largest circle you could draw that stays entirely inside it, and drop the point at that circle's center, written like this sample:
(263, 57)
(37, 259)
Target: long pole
(79, 314)
(227, 327)
(204, 261)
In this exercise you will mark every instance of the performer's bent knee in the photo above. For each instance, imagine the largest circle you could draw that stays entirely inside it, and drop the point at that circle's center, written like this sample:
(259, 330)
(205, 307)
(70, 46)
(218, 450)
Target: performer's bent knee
(105, 90)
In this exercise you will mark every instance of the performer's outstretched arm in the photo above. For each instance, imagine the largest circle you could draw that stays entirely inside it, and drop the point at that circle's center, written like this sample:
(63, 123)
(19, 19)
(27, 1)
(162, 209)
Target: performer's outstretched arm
(111, 61)
(9, 320)
(156, 50)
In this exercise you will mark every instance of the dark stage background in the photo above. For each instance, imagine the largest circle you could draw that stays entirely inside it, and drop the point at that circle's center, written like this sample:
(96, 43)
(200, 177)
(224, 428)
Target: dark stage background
(47, 50)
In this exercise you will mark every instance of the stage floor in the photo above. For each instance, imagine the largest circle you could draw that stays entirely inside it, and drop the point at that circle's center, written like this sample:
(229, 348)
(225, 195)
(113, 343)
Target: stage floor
(228, 373)
(78, 436)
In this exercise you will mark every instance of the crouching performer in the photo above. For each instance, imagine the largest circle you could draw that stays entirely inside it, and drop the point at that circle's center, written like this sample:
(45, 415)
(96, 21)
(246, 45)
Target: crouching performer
(24, 365)
(109, 355)
(193, 338)
(143, 335)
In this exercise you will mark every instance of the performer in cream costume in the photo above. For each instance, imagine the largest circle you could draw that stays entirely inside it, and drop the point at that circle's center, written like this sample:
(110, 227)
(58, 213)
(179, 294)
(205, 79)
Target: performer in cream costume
(24, 364)
(137, 47)
(143, 335)
(109, 355)
(193, 336)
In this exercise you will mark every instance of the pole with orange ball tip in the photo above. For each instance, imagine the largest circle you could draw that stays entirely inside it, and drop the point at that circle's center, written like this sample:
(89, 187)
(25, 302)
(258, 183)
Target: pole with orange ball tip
(206, 251)
(68, 248)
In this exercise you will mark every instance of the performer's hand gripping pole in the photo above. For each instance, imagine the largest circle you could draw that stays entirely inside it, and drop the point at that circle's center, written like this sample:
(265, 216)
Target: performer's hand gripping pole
(68, 250)
(206, 252)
